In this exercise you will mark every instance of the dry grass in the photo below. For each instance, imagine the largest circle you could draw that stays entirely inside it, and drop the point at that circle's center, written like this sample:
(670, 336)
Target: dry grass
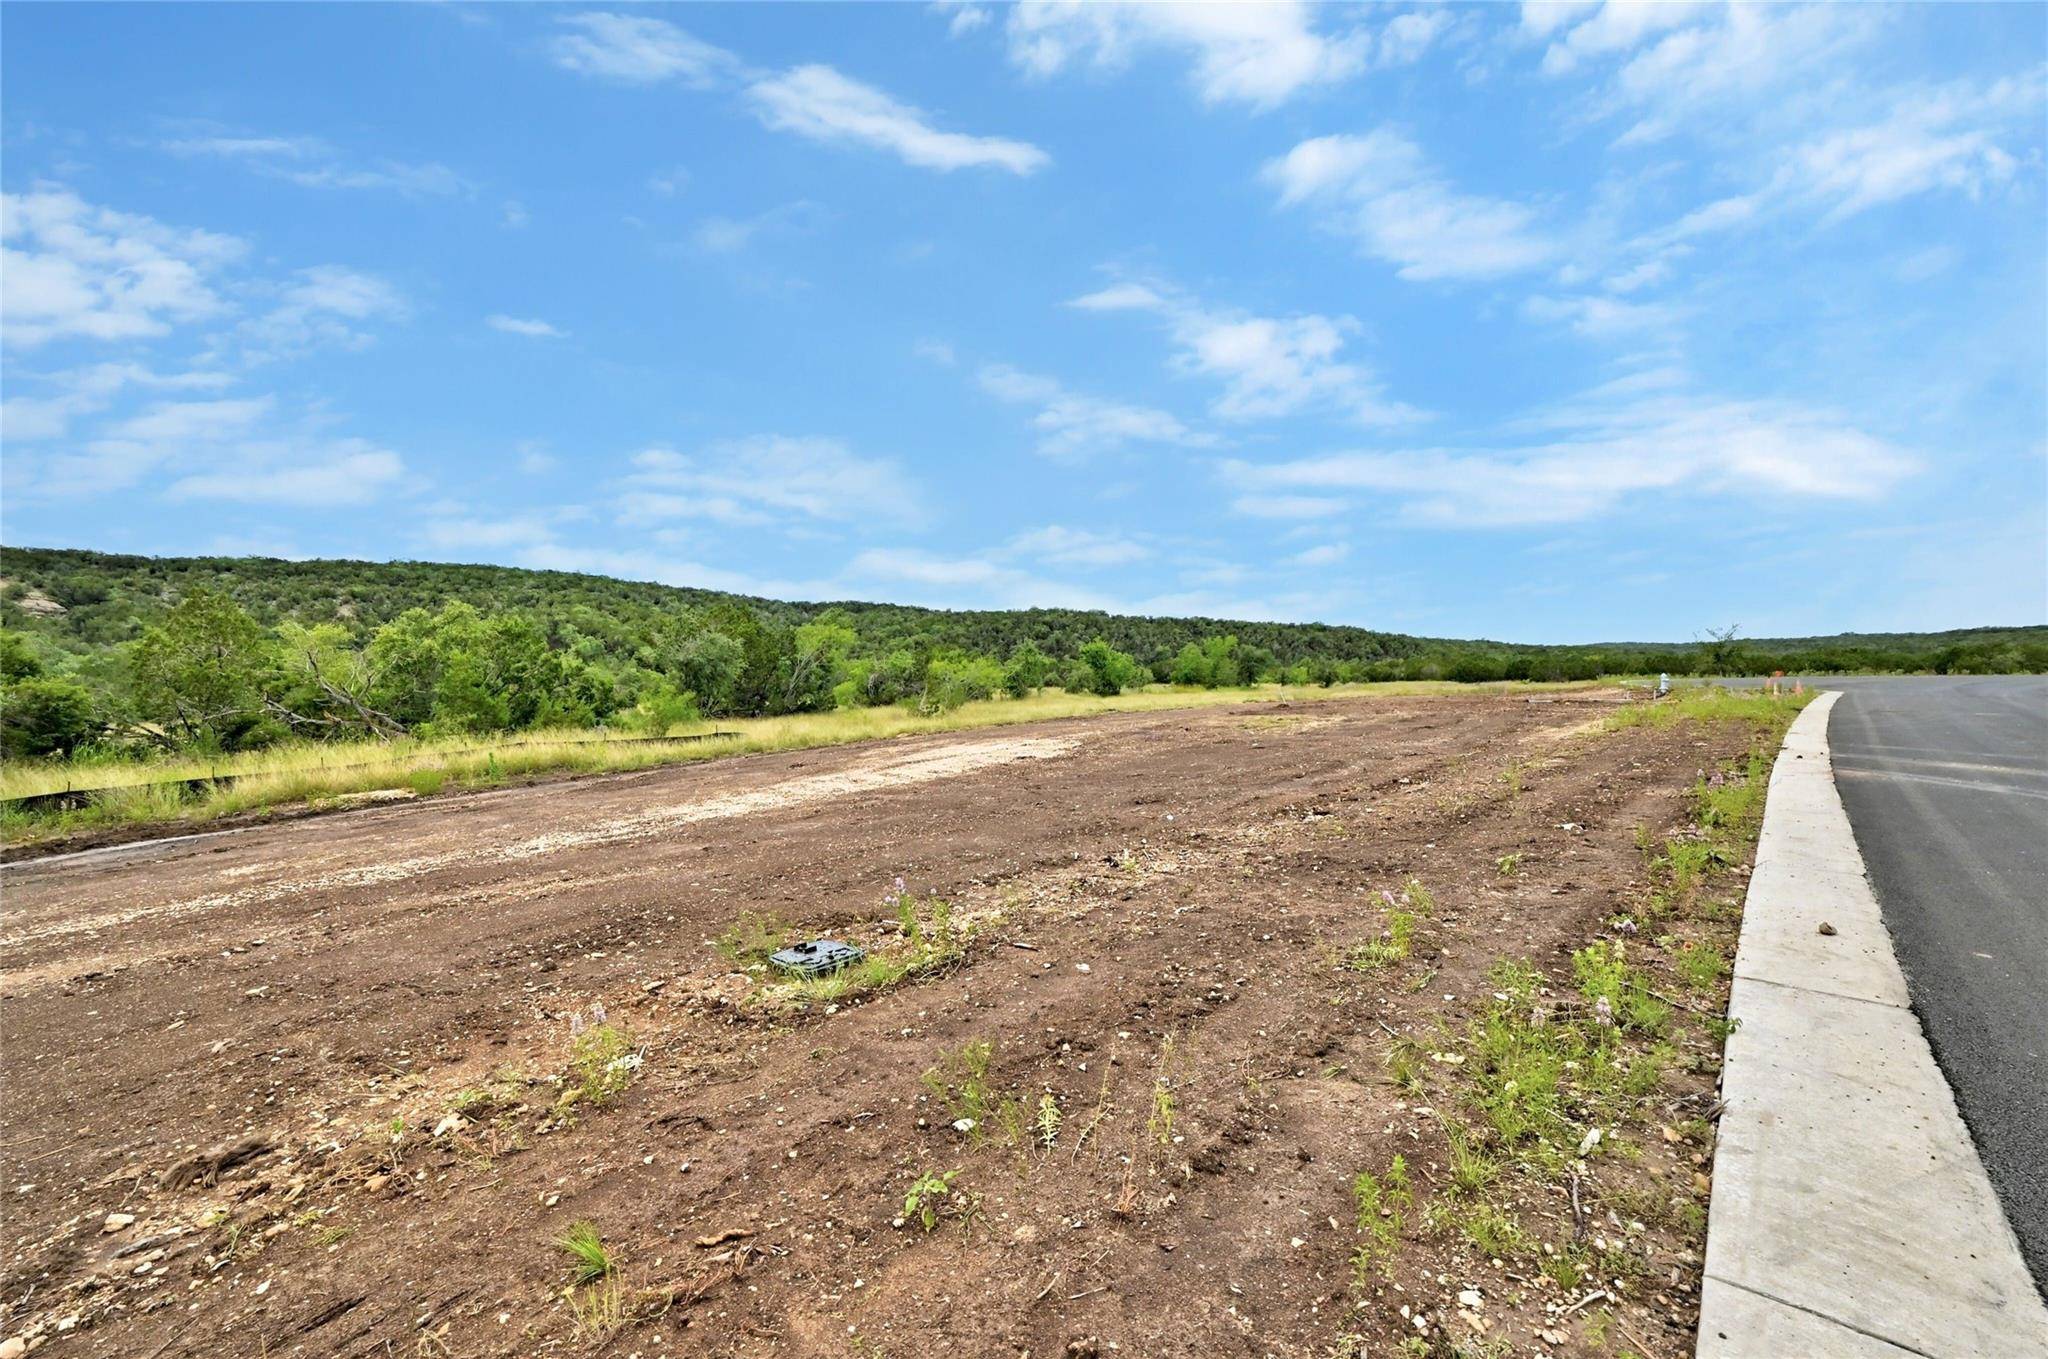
(310, 773)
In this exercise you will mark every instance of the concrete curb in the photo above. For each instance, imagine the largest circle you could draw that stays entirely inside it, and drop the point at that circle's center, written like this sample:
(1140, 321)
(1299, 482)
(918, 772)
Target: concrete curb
(1851, 1215)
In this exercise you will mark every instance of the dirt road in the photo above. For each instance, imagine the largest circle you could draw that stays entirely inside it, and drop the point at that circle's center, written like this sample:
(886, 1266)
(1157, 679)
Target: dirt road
(248, 1046)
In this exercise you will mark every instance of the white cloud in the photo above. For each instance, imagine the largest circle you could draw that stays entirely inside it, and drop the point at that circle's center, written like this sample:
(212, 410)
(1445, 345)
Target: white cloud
(1288, 506)
(1071, 425)
(312, 163)
(477, 531)
(385, 174)
(1603, 30)
(1540, 18)
(337, 291)
(1405, 38)
(636, 50)
(637, 565)
(1945, 139)
(812, 100)
(320, 306)
(231, 147)
(530, 328)
(344, 472)
(1257, 54)
(232, 448)
(1921, 265)
(1942, 139)
(513, 214)
(1647, 274)
(640, 506)
(1378, 190)
(1600, 317)
(1326, 554)
(187, 422)
(1743, 74)
(962, 18)
(1062, 546)
(963, 582)
(69, 270)
(729, 235)
(670, 182)
(1596, 456)
(723, 235)
(818, 102)
(77, 272)
(534, 459)
(1269, 366)
(85, 391)
(771, 477)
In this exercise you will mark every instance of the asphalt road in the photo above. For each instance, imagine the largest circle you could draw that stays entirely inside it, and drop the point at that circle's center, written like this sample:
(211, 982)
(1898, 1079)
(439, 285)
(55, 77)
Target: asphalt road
(1945, 779)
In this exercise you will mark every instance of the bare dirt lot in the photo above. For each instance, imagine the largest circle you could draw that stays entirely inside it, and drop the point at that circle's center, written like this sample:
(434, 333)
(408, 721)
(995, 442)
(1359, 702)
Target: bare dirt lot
(313, 1071)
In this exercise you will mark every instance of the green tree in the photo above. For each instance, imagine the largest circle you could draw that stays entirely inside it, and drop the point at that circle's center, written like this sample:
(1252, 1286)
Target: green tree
(1212, 663)
(409, 654)
(1027, 670)
(18, 660)
(709, 664)
(40, 717)
(818, 653)
(329, 682)
(466, 699)
(1108, 671)
(199, 678)
(956, 677)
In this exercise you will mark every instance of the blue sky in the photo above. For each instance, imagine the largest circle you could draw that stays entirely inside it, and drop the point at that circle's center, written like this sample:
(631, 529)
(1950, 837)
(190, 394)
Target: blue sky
(1558, 323)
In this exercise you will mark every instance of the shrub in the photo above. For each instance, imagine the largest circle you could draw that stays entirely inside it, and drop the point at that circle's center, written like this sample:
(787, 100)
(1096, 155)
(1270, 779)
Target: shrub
(1107, 670)
(1027, 671)
(662, 707)
(40, 717)
(956, 679)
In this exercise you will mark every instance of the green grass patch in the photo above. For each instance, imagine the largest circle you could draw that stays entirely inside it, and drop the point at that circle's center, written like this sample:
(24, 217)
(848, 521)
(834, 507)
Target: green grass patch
(1700, 964)
(1380, 1204)
(1713, 703)
(589, 1258)
(748, 941)
(602, 1064)
(1493, 1229)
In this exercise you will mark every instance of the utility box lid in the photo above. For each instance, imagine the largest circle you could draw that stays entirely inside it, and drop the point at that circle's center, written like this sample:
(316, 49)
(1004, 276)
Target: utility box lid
(815, 957)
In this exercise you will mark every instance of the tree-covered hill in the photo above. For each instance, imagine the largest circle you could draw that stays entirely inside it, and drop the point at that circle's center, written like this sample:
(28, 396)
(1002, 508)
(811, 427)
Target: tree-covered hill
(104, 599)
(134, 653)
